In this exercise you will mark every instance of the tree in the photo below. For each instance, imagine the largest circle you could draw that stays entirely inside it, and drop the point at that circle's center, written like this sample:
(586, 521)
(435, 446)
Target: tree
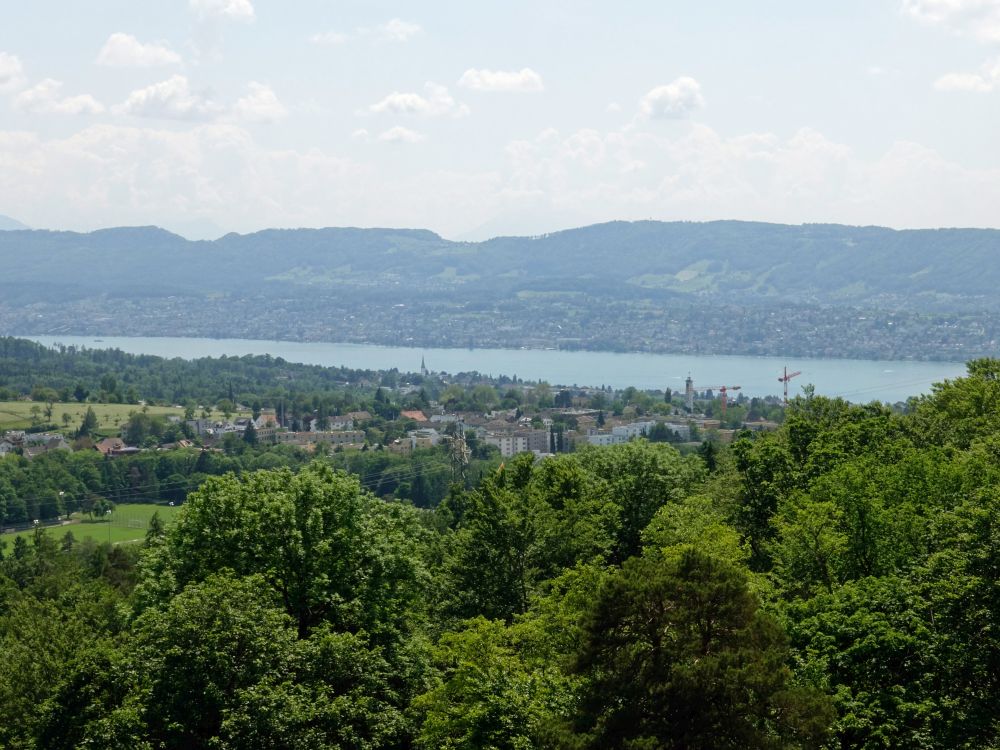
(489, 698)
(157, 530)
(216, 649)
(250, 435)
(41, 636)
(331, 552)
(709, 454)
(226, 407)
(641, 477)
(89, 424)
(766, 476)
(809, 544)
(696, 521)
(494, 553)
(677, 654)
(80, 393)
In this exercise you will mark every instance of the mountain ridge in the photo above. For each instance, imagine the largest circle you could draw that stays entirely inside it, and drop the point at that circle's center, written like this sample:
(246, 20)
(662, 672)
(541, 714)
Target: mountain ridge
(725, 287)
(811, 263)
(9, 224)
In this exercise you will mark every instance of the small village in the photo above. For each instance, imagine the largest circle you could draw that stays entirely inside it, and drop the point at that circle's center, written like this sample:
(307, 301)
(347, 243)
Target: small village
(546, 431)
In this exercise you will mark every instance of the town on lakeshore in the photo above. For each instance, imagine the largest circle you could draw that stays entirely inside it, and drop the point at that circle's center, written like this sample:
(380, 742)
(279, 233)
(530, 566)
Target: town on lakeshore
(576, 416)
(240, 413)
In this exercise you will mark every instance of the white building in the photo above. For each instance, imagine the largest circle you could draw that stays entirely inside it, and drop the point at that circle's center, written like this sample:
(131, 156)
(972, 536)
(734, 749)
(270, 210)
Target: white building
(606, 438)
(633, 430)
(425, 437)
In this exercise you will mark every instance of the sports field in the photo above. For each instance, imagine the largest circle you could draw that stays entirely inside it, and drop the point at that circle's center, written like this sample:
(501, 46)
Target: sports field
(127, 523)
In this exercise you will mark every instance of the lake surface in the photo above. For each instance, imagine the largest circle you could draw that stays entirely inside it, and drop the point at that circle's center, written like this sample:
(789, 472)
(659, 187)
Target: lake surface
(857, 380)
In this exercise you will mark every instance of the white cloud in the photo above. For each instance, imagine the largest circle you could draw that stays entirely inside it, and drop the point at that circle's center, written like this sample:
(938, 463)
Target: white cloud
(260, 105)
(395, 30)
(45, 98)
(964, 82)
(125, 51)
(521, 80)
(400, 134)
(112, 175)
(398, 30)
(673, 100)
(233, 10)
(171, 99)
(986, 80)
(361, 134)
(108, 175)
(632, 174)
(436, 103)
(329, 38)
(979, 19)
(11, 72)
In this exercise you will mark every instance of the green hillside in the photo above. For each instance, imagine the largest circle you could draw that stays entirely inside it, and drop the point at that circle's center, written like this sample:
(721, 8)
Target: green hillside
(741, 260)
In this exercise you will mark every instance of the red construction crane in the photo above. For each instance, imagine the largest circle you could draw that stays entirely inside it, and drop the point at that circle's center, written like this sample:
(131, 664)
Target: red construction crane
(785, 378)
(723, 390)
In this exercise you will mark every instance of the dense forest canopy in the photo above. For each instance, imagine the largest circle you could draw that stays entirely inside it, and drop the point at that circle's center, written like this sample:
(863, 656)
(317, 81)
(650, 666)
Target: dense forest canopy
(830, 584)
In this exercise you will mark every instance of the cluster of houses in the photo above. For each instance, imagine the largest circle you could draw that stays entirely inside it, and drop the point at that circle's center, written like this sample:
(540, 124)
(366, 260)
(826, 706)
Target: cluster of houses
(508, 430)
(33, 444)
(30, 444)
(522, 437)
(513, 434)
(337, 431)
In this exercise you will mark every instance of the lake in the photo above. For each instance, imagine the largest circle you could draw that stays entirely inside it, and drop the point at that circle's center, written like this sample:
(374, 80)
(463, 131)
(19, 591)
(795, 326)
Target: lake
(857, 380)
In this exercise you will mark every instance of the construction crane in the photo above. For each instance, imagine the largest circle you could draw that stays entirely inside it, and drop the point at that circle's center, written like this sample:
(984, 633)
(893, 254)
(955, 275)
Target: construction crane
(723, 390)
(785, 378)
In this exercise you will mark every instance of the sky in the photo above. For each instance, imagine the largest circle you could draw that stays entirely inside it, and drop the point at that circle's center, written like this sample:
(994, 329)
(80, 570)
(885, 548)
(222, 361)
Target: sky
(476, 119)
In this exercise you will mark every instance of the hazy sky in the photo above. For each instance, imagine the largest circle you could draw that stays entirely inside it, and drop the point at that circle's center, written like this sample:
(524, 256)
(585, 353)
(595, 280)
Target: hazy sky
(483, 118)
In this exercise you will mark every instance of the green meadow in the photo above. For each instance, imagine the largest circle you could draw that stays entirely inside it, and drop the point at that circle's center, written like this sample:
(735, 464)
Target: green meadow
(126, 523)
(17, 415)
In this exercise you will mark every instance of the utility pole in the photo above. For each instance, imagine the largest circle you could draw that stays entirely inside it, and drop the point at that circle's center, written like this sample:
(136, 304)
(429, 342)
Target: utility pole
(459, 453)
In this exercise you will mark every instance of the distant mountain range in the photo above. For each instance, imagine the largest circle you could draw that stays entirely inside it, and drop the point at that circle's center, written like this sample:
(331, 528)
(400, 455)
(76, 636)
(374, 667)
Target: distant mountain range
(9, 224)
(715, 287)
(736, 261)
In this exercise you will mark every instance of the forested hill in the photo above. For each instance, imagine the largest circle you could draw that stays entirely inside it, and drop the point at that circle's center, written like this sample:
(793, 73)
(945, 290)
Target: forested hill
(684, 288)
(739, 261)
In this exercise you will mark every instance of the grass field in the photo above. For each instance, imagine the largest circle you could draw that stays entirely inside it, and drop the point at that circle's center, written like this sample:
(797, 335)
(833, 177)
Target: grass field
(16, 415)
(128, 523)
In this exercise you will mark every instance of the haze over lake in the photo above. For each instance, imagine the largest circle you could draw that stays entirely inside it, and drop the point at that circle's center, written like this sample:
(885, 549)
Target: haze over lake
(856, 380)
